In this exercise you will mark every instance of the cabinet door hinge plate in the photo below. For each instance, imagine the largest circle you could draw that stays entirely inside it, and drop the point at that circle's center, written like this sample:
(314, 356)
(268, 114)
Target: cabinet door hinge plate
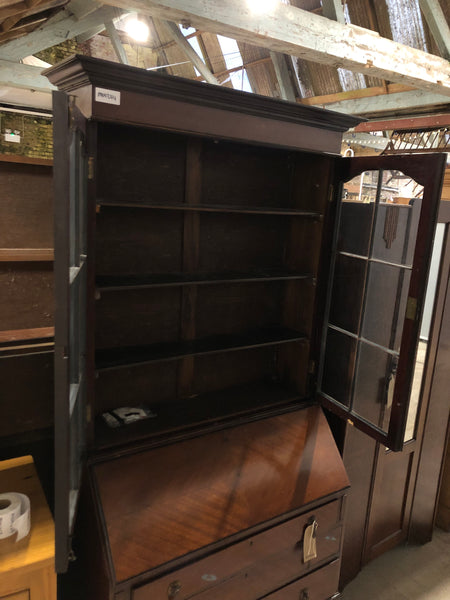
(411, 308)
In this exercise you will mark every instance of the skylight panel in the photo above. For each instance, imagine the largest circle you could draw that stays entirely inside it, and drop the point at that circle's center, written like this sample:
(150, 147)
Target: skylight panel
(233, 59)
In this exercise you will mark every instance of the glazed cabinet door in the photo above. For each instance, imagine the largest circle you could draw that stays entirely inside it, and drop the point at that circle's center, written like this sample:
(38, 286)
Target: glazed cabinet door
(70, 337)
(385, 222)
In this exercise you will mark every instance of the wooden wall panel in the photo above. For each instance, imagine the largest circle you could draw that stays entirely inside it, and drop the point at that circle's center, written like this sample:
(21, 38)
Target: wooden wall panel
(26, 206)
(27, 393)
(26, 299)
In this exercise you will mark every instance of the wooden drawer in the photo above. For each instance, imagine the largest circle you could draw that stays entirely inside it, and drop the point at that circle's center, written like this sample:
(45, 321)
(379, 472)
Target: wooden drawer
(254, 566)
(320, 585)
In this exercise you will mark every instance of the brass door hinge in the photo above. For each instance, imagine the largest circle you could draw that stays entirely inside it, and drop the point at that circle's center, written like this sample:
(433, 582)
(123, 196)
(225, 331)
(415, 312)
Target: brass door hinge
(411, 308)
(331, 194)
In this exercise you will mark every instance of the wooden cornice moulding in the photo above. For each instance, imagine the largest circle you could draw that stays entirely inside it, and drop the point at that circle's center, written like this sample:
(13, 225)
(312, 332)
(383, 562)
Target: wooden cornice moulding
(80, 71)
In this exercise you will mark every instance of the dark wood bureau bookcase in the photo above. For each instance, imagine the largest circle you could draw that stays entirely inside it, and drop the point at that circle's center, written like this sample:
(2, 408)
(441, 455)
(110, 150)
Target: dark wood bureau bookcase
(197, 274)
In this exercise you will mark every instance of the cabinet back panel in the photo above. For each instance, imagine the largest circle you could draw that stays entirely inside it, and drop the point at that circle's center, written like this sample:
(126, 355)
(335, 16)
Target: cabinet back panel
(132, 241)
(26, 217)
(140, 164)
(298, 305)
(26, 299)
(311, 181)
(149, 384)
(242, 242)
(303, 245)
(231, 309)
(134, 318)
(219, 371)
(240, 175)
(293, 366)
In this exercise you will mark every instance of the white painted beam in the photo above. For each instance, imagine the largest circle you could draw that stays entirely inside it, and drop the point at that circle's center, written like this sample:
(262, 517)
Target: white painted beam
(333, 9)
(116, 42)
(387, 102)
(291, 30)
(182, 42)
(60, 28)
(438, 25)
(14, 74)
(287, 89)
(89, 34)
(82, 8)
(26, 98)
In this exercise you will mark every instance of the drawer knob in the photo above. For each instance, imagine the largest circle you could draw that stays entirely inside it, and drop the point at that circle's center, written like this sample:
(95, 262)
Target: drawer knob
(304, 594)
(173, 589)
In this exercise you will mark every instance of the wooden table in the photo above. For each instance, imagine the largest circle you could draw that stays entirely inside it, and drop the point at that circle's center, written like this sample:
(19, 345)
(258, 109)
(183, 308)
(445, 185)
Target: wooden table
(27, 566)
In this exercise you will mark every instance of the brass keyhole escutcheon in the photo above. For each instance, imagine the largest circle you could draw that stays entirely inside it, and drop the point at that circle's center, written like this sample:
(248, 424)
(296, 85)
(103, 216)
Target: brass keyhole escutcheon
(173, 589)
(304, 594)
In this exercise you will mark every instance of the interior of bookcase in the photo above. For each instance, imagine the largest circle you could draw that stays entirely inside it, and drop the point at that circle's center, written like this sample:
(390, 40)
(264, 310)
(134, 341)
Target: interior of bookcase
(206, 262)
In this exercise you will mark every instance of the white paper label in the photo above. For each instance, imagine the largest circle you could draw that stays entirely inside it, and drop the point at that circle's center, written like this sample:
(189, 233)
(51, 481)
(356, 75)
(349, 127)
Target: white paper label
(107, 96)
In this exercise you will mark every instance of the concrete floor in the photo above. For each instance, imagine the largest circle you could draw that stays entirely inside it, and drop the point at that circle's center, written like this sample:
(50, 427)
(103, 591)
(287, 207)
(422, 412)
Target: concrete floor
(406, 573)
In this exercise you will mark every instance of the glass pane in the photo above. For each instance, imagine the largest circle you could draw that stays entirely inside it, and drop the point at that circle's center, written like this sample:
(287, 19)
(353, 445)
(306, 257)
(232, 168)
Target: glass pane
(384, 311)
(415, 391)
(348, 292)
(338, 364)
(374, 383)
(357, 211)
(395, 232)
(422, 349)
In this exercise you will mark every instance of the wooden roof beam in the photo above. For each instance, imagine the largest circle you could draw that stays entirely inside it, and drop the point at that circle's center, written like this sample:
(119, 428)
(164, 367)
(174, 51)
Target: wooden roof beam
(61, 27)
(192, 55)
(408, 124)
(19, 75)
(23, 8)
(369, 92)
(252, 63)
(291, 30)
(388, 103)
(287, 89)
(333, 9)
(438, 25)
(116, 42)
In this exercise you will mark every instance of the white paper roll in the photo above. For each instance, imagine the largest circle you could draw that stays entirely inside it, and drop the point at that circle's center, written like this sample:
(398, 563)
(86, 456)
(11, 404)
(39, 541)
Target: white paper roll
(14, 515)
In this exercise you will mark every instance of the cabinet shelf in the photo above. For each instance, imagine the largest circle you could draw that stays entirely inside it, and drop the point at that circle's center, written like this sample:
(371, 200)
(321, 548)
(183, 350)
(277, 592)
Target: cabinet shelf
(216, 208)
(219, 406)
(116, 358)
(26, 254)
(26, 341)
(120, 282)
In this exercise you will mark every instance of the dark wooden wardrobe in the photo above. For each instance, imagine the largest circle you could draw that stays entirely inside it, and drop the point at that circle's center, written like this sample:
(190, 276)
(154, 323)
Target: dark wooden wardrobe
(215, 276)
